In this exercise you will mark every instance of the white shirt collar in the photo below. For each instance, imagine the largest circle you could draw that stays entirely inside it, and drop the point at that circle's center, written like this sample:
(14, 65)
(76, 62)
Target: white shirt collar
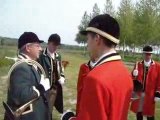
(92, 64)
(147, 64)
(52, 55)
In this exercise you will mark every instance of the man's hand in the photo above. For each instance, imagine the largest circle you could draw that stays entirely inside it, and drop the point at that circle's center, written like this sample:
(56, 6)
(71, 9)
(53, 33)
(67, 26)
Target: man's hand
(61, 80)
(135, 73)
(45, 83)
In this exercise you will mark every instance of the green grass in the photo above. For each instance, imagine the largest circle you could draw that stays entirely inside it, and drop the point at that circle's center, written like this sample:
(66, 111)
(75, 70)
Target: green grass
(137, 57)
(75, 58)
(10, 51)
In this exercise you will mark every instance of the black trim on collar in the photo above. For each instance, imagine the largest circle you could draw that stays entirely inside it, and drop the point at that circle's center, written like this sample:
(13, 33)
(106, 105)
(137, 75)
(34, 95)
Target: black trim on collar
(89, 66)
(105, 57)
(23, 55)
(45, 52)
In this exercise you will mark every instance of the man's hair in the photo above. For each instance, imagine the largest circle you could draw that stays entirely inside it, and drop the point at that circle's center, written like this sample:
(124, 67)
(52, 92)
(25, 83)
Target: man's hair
(106, 42)
(55, 38)
(22, 49)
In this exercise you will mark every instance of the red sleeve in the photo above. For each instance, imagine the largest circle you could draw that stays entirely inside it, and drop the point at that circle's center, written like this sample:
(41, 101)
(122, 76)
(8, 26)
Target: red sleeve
(158, 79)
(94, 103)
(84, 69)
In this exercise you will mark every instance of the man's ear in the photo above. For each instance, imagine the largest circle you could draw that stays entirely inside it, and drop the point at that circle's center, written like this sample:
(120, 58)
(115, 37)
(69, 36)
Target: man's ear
(27, 48)
(98, 39)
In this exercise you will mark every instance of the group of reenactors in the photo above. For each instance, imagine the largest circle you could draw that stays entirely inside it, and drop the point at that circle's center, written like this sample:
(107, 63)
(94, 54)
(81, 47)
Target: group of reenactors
(105, 88)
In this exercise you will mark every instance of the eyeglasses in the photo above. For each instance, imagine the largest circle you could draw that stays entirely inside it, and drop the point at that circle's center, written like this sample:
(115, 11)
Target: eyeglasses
(34, 44)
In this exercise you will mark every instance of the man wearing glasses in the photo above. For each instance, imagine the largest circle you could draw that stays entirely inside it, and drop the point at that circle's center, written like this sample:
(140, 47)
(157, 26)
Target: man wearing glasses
(26, 84)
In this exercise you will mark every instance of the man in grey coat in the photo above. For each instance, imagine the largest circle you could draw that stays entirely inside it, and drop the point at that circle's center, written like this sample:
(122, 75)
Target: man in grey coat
(26, 83)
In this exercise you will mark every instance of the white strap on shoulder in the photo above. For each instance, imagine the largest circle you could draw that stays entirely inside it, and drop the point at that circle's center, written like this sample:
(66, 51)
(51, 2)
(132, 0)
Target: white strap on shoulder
(30, 62)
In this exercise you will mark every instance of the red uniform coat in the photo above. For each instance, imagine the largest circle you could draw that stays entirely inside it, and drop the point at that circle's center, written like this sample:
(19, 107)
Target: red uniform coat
(84, 69)
(152, 85)
(106, 93)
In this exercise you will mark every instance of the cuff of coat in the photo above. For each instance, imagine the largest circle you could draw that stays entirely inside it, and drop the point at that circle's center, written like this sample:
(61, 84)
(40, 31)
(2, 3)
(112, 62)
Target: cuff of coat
(157, 94)
(36, 90)
(72, 118)
(62, 75)
(40, 89)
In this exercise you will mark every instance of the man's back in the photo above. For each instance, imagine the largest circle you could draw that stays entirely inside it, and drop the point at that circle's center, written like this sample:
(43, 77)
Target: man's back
(106, 93)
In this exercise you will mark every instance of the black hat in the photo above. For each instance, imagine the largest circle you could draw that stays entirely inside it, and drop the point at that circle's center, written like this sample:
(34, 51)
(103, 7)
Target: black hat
(104, 25)
(147, 49)
(55, 38)
(28, 37)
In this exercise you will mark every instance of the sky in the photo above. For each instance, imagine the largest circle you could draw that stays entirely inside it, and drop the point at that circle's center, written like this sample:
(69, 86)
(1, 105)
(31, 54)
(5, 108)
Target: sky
(45, 17)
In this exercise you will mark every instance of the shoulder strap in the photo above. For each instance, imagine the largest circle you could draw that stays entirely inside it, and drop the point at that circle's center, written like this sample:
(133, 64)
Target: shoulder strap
(29, 62)
(21, 109)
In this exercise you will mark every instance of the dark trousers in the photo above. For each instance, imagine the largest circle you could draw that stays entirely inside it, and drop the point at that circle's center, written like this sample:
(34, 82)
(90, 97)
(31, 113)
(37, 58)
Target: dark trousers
(140, 117)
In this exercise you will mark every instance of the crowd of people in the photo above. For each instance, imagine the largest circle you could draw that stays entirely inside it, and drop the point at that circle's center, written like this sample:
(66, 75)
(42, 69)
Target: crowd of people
(105, 87)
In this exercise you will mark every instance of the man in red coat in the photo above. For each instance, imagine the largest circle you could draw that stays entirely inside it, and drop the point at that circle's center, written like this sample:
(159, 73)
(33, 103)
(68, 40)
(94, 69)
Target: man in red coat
(107, 87)
(147, 72)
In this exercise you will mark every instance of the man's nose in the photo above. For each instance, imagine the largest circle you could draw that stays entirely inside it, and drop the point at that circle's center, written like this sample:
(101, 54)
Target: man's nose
(40, 48)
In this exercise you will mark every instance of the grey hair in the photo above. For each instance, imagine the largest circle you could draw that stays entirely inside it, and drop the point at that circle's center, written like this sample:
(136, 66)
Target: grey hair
(23, 48)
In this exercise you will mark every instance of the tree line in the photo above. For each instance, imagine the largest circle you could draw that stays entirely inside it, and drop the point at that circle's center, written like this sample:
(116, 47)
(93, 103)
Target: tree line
(139, 21)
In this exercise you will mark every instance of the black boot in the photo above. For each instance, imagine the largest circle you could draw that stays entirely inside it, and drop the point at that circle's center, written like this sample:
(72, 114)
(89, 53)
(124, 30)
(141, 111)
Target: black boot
(150, 118)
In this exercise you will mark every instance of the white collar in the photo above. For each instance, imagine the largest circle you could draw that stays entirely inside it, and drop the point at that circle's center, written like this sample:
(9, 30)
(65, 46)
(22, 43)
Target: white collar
(52, 55)
(147, 64)
(92, 64)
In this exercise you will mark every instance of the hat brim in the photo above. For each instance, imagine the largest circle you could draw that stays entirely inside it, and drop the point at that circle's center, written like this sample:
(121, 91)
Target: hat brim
(83, 32)
(149, 52)
(41, 41)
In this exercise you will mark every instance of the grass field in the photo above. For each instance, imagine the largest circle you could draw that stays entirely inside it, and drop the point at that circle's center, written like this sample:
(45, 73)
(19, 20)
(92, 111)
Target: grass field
(75, 58)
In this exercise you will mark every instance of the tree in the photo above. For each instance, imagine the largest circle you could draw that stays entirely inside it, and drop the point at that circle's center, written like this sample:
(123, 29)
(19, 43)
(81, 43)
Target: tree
(108, 8)
(2, 41)
(125, 19)
(80, 39)
(147, 22)
(95, 11)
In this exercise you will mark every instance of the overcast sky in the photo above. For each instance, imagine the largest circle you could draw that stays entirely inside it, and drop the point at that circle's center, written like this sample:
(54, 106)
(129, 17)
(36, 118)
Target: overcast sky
(45, 17)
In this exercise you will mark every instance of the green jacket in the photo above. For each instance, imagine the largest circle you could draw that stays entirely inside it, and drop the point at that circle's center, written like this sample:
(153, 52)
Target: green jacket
(53, 73)
(20, 91)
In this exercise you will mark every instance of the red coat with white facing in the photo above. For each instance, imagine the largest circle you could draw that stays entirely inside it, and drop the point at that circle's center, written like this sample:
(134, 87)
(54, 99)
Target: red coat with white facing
(152, 85)
(105, 92)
